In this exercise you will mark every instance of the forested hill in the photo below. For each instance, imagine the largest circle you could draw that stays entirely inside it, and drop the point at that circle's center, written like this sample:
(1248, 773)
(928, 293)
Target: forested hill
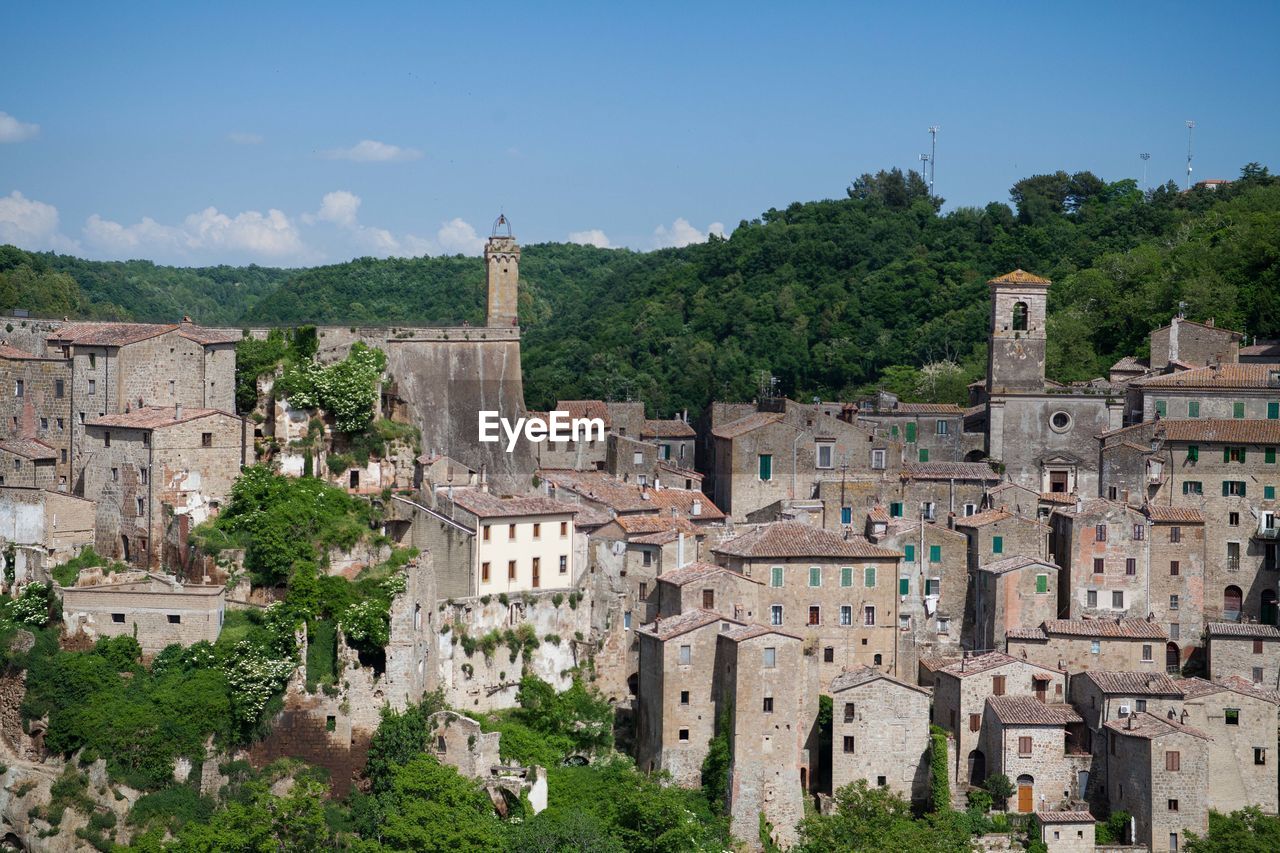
(828, 296)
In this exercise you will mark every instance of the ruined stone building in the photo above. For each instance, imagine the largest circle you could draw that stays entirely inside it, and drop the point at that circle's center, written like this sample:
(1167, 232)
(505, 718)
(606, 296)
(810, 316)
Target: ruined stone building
(840, 594)
(156, 610)
(153, 470)
(880, 733)
(44, 527)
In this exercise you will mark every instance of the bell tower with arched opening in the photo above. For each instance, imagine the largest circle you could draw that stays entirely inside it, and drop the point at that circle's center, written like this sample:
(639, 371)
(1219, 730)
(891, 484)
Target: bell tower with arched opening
(502, 272)
(1016, 354)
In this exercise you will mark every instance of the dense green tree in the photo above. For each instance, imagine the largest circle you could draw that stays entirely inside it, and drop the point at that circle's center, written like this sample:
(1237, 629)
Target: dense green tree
(1244, 831)
(876, 820)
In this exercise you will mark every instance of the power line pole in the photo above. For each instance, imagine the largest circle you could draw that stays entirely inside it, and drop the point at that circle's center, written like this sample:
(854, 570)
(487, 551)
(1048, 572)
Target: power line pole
(1145, 157)
(1191, 126)
(933, 156)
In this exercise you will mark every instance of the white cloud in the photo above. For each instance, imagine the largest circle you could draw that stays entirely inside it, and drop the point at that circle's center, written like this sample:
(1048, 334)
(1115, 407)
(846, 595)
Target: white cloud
(717, 228)
(206, 234)
(146, 234)
(12, 130)
(458, 237)
(681, 233)
(593, 237)
(241, 138)
(340, 208)
(371, 151)
(31, 224)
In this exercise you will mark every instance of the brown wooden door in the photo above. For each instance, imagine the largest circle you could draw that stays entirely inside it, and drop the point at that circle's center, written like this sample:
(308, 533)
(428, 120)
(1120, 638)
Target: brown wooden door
(1024, 798)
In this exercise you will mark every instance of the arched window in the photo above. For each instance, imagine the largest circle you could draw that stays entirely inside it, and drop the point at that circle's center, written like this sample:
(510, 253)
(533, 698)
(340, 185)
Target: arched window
(1172, 659)
(1232, 601)
(1019, 316)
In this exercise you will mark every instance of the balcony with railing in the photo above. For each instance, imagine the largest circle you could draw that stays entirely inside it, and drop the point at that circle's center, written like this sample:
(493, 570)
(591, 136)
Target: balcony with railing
(1270, 533)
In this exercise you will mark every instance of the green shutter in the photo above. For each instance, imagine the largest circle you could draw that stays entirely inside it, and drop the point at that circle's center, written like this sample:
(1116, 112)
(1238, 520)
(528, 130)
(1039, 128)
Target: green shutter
(904, 586)
(909, 553)
(1193, 409)
(1226, 488)
(1273, 411)
(893, 431)
(869, 576)
(1193, 453)
(997, 544)
(1242, 452)
(1162, 408)
(911, 433)
(1237, 409)
(1042, 583)
(815, 576)
(895, 510)
(1243, 489)
(777, 576)
(935, 553)
(1269, 455)
(1269, 493)
(846, 576)
(766, 466)
(1226, 454)
(924, 454)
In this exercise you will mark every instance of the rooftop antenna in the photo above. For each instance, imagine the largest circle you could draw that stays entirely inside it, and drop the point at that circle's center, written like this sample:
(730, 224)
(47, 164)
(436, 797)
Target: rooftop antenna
(1191, 126)
(933, 156)
(1145, 157)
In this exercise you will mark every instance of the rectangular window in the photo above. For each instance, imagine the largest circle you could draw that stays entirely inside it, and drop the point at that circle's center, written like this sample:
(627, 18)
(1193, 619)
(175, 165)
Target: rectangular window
(142, 506)
(911, 433)
(825, 452)
(638, 458)
(1117, 599)
(117, 618)
(869, 616)
(975, 722)
(848, 744)
(932, 586)
(1095, 647)
(1173, 805)
(1174, 602)
(895, 509)
(829, 654)
(1231, 716)
(1233, 488)
(93, 387)
(1273, 411)
(1268, 455)
(1257, 647)
(846, 515)
(1193, 408)
(564, 564)
(511, 533)
(869, 577)
(1098, 565)
(846, 615)
(765, 465)
(1175, 534)
(1091, 598)
(1268, 493)
(1042, 584)
(537, 530)
(909, 553)
(564, 529)
(775, 576)
(686, 655)
(484, 572)
(768, 705)
(1233, 454)
(684, 697)
(1024, 747)
(1175, 631)
(997, 544)
(175, 619)
(1193, 453)
(775, 614)
(1146, 653)
(924, 454)
(708, 599)
(997, 685)
(1162, 408)
(815, 576)
(646, 557)
(846, 576)
(106, 439)
(1259, 755)
(877, 459)
(511, 570)
(770, 658)
(1139, 532)
(537, 572)
(935, 553)
(1130, 566)
(1100, 533)
(684, 735)
(1175, 568)
(815, 614)
(1237, 409)
(1192, 487)
(644, 590)
(904, 586)
(59, 388)
(485, 535)
(206, 439)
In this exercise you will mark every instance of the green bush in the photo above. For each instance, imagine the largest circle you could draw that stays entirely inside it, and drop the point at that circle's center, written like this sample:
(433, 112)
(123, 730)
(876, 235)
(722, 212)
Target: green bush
(939, 788)
(1000, 789)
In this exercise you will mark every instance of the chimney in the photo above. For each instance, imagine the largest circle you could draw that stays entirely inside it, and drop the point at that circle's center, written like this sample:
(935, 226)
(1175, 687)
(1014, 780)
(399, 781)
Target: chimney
(177, 411)
(1128, 721)
(696, 508)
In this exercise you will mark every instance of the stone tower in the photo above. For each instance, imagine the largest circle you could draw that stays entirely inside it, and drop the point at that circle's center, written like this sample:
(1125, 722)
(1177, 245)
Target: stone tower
(1015, 360)
(502, 272)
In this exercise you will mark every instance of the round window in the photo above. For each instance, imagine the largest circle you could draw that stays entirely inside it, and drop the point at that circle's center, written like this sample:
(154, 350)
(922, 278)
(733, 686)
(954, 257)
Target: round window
(1060, 421)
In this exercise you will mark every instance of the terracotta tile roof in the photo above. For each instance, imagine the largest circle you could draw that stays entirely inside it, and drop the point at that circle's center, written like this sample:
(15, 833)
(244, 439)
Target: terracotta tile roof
(645, 524)
(14, 354)
(1133, 683)
(933, 663)
(1194, 688)
(1148, 726)
(796, 539)
(749, 632)
(487, 505)
(155, 417)
(1231, 431)
(986, 662)
(982, 519)
(1261, 350)
(631, 497)
(1029, 711)
(110, 334)
(1185, 321)
(865, 675)
(700, 571)
(1057, 498)
(675, 626)
(1013, 564)
(1242, 685)
(1215, 376)
(1125, 629)
(1022, 632)
(683, 502)
(206, 336)
(585, 409)
(1175, 514)
(742, 426)
(1065, 817)
(949, 471)
(667, 429)
(678, 471)
(590, 515)
(1019, 276)
(878, 514)
(1129, 363)
(929, 409)
(28, 448)
(1243, 629)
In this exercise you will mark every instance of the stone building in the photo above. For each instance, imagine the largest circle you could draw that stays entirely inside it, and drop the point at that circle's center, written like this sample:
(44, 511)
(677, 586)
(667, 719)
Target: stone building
(1041, 431)
(637, 550)
(1039, 747)
(36, 406)
(960, 692)
(930, 432)
(1176, 542)
(1227, 471)
(29, 462)
(880, 733)
(1249, 651)
(1102, 695)
(151, 468)
(1219, 391)
(1240, 719)
(997, 534)
(614, 496)
(590, 451)
(1187, 342)
(707, 586)
(1067, 832)
(53, 525)
(768, 691)
(1010, 595)
(154, 609)
(676, 699)
(1103, 547)
(674, 439)
(1082, 644)
(840, 593)
(458, 741)
(1158, 771)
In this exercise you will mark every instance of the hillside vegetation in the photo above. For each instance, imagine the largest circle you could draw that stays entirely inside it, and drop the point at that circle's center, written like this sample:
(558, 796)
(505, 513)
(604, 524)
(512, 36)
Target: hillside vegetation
(827, 296)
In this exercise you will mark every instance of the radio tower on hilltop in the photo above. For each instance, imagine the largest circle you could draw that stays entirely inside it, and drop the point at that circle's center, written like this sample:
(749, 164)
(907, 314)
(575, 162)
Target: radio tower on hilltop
(1191, 126)
(933, 156)
(1145, 157)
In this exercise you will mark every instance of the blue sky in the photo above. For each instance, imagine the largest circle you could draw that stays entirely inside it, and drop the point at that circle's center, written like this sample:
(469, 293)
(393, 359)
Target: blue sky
(308, 133)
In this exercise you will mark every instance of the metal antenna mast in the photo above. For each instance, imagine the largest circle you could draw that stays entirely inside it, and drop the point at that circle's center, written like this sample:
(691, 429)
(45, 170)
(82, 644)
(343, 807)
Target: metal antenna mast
(924, 168)
(1145, 157)
(1191, 126)
(933, 156)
